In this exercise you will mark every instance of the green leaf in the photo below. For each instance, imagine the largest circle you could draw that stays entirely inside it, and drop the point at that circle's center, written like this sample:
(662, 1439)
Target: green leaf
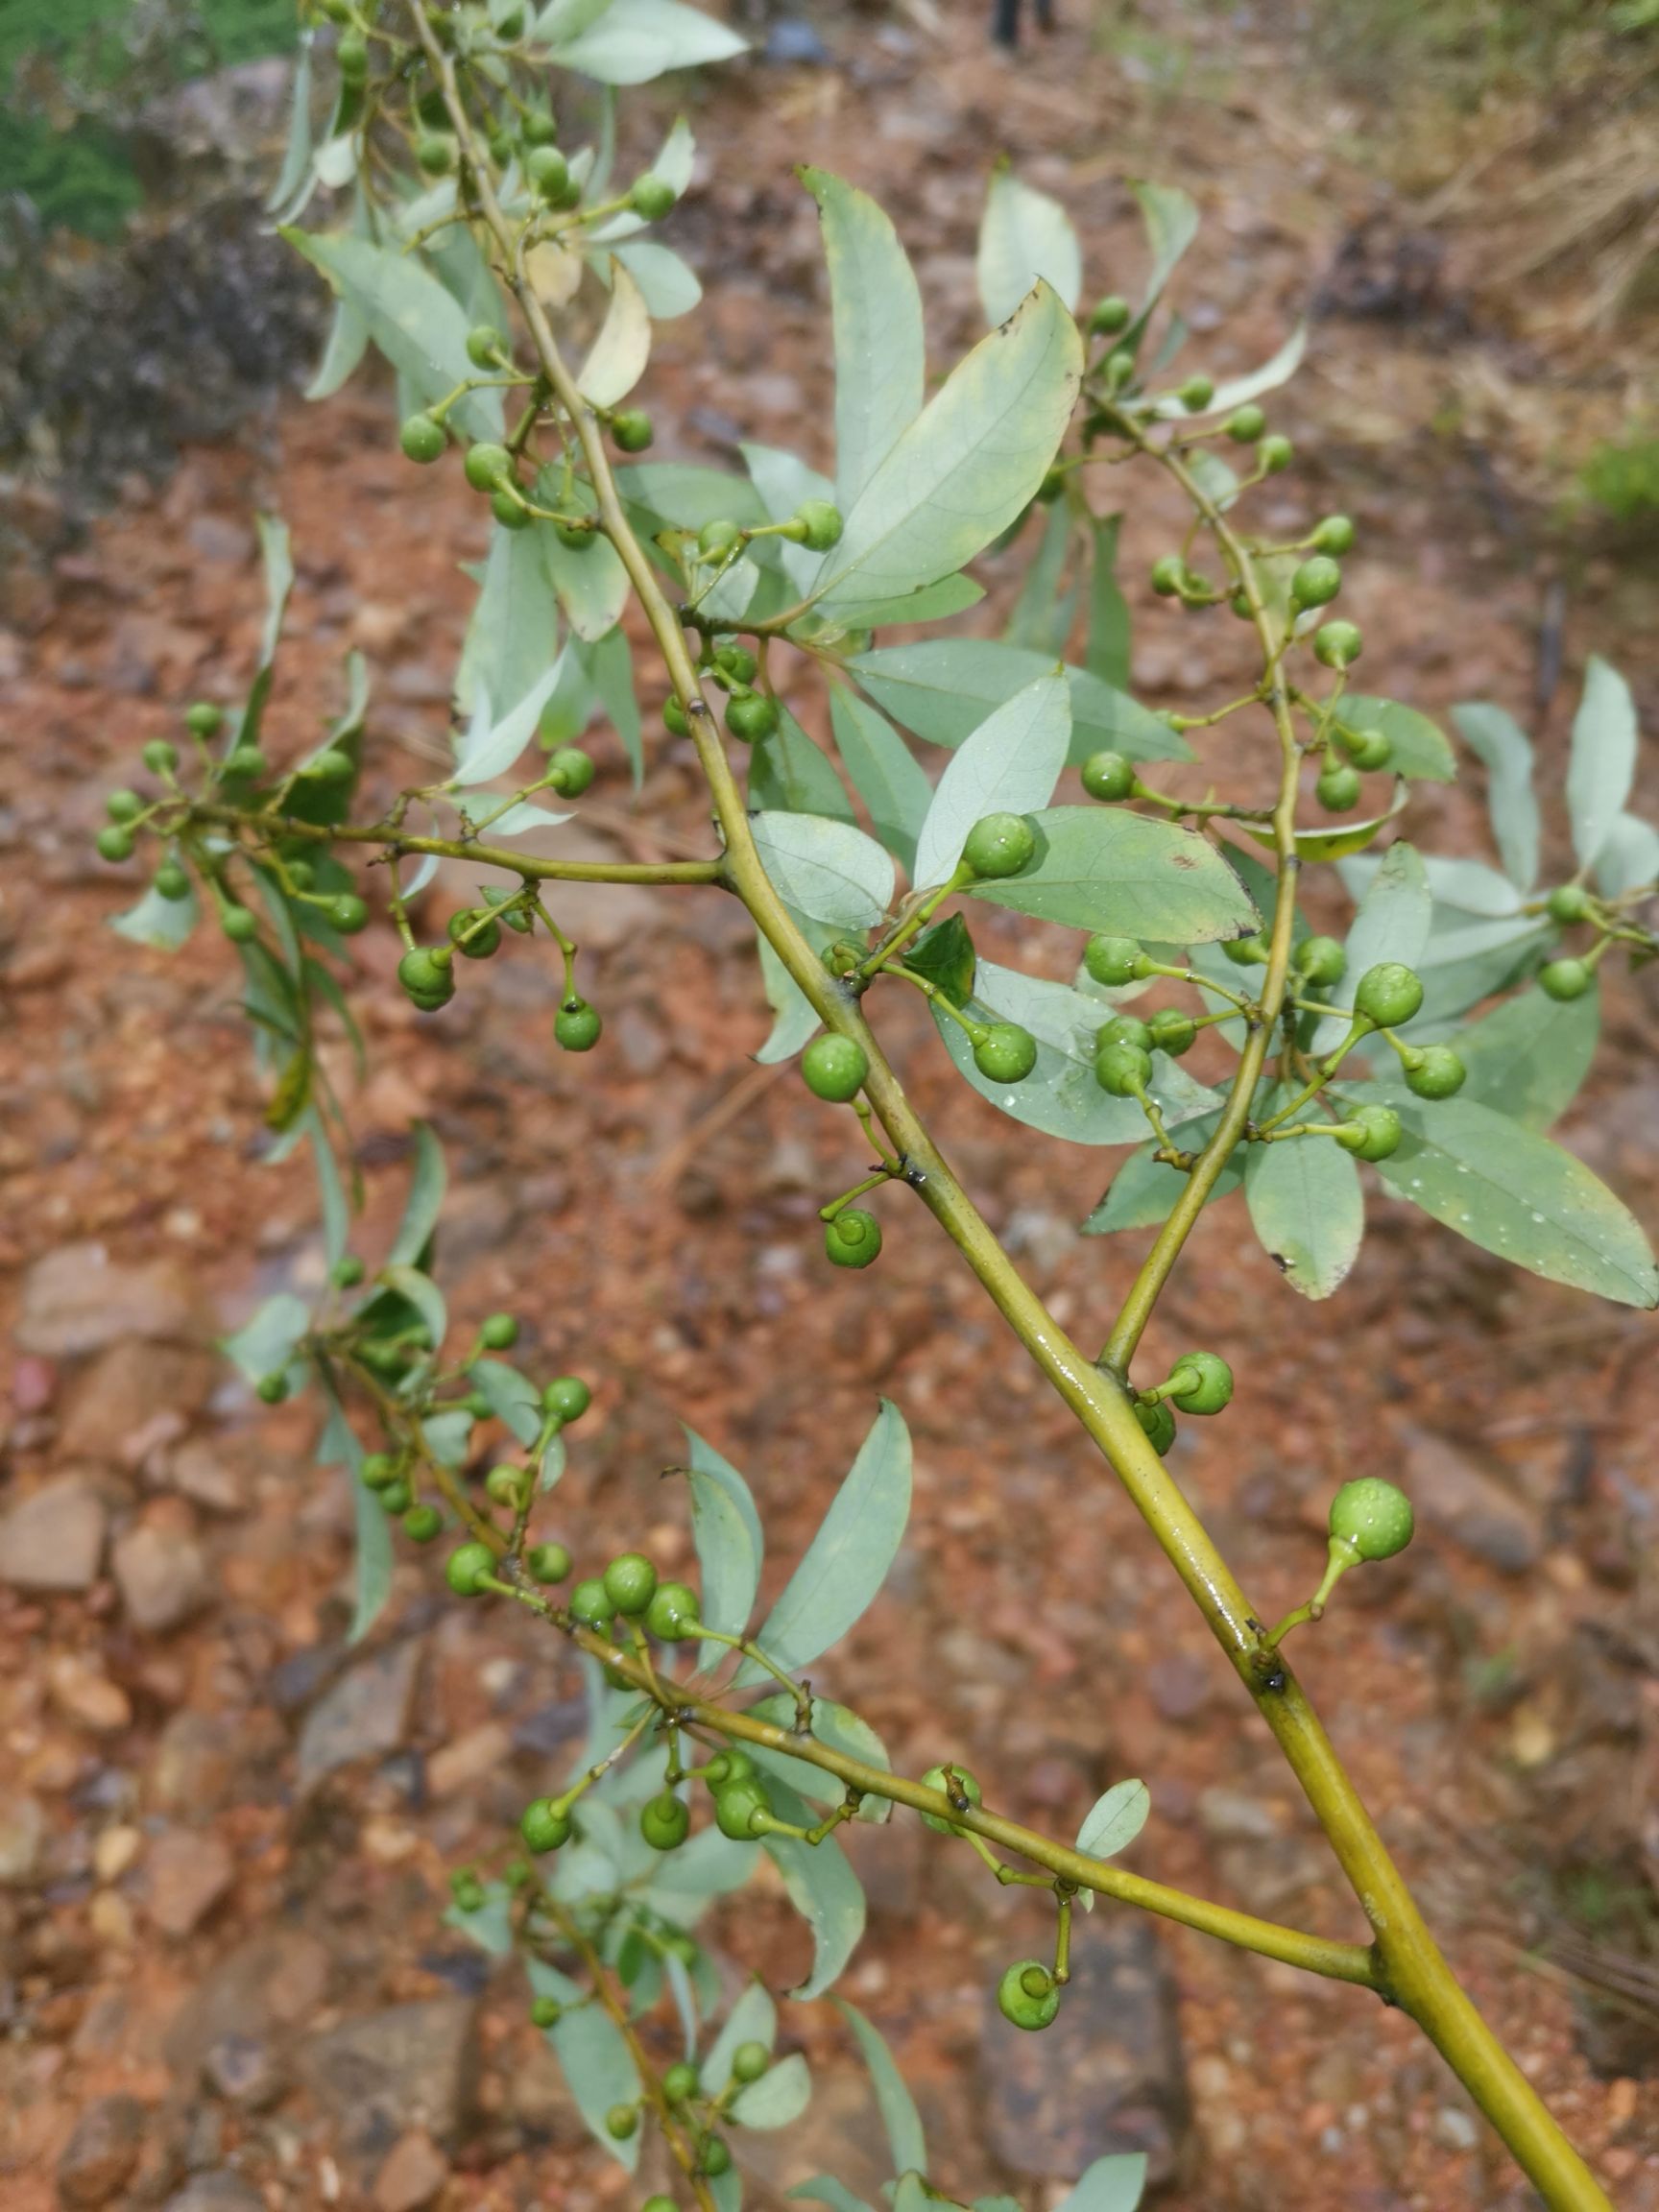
(1629, 857)
(1107, 656)
(268, 1343)
(1513, 1192)
(893, 2098)
(846, 1561)
(423, 1295)
(1465, 961)
(1112, 2184)
(1171, 219)
(822, 1888)
(1044, 613)
(1024, 236)
(668, 284)
(789, 774)
(830, 869)
(634, 41)
(1391, 924)
(489, 747)
(685, 495)
(416, 324)
(1234, 391)
(1011, 764)
(609, 669)
(1336, 843)
(1529, 1057)
(1307, 1209)
(943, 688)
(944, 955)
(885, 773)
(621, 346)
(933, 603)
(751, 2019)
(841, 1730)
(725, 1530)
(1420, 748)
(592, 584)
(1602, 762)
(1505, 750)
(161, 923)
(1144, 1189)
(1113, 1821)
(785, 483)
(295, 177)
(797, 1017)
(449, 1433)
(825, 2188)
(424, 1203)
(782, 2095)
(967, 466)
(593, 2055)
(1100, 868)
(514, 1399)
(338, 1447)
(881, 358)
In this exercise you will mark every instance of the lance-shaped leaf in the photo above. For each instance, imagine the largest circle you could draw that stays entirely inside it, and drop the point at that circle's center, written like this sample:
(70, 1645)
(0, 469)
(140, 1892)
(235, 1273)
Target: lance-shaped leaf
(846, 1561)
(1171, 219)
(880, 359)
(490, 747)
(1101, 868)
(1307, 1209)
(725, 1529)
(1392, 924)
(1010, 764)
(751, 2019)
(885, 773)
(161, 923)
(267, 1344)
(967, 464)
(1024, 236)
(1107, 656)
(1144, 1188)
(424, 1202)
(668, 284)
(1420, 748)
(1335, 844)
(1113, 1821)
(825, 2188)
(618, 354)
(893, 2098)
(782, 2095)
(822, 1888)
(1234, 391)
(1629, 857)
(1112, 2184)
(1604, 758)
(514, 634)
(1529, 1056)
(944, 687)
(1505, 751)
(593, 2055)
(338, 1447)
(797, 1017)
(828, 869)
(789, 774)
(632, 41)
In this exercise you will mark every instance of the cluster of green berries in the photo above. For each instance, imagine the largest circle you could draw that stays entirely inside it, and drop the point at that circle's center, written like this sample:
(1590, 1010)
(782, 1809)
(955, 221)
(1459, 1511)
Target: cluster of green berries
(1387, 997)
(683, 2090)
(427, 971)
(1565, 978)
(1199, 1383)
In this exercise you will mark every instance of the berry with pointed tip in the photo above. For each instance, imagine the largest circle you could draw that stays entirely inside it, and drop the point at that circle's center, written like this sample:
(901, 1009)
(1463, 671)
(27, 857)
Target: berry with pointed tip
(1123, 1070)
(834, 1068)
(651, 196)
(1372, 1517)
(1371, 1133)
(485, 346)
(487, 467)
(548, 171)
(464, 1565)
(1338, 645)
(749, 2061)
(203, 719)
(1028, 1996)
(544, 1825)
(1338, 788)
(1320, 960)
(1569, 902)
(852, 1239)
(751, 717)
(547, 1562)
(999, 845)
(664, 1822)
(1388, 994)
(1108, 776)
(632, 429)
(1245, 424)
(672, 1615)
(1274, 455)
(630, 1583)
(1006, 1053)
(1110, 316)
(577, 1027)
(1171, 1031)
(1169, 575)
(1436, 1073)
(1560, 979)
(1157, 1424)
(1200, 1383)
(821, 524)
(571, 771)
(1113, 960)
(957, 1784)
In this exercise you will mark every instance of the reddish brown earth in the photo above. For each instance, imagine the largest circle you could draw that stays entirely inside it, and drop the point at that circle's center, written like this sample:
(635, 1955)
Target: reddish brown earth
(185, 1926)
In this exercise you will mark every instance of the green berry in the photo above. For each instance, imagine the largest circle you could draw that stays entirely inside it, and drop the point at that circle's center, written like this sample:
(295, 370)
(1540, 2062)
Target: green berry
(675, 718)
(999, 845)
(435, 154)
(1316, 582)
(467, 1892)
(957, 1784)
(1371, 1516)
(652, 197)
(716, 539)
(664, 1822)
(571, 771)
(852, 1239)
(123, 805)
(238, 924)
(1006, 1053)
(429, 981)
(577, 537)
(203, 719)
(834, 1068)
(473, 943)
(1158, 1424)
(378, 1471)
(1371, 1133)
(244, 763)
(589, 1603)
(396, 1497)
(547, 1562)
(821, 524)
(351, 57)
(1196, 393)
(509, 510)
(1113, 960)
(750, 715)
(114, 843)
(1028, 1994)
(621, 2122)
(546, 2013)
(1248, 951)
(1120, 369)
(349, 913)
(1200, 1383)
(330, 766)
(1436, 1073)
(680, 2085)
(1123, 1071)
(1334, 535)
(733, 1765)
(547, 171)
(485, 346)
(1124, 1029)
(1337, 644)
(1569, 902)
(749, 2061)
(487, 467)
(631, 430)
(160, 756)
(1108, 776)
(1368, 749)
(567, 1396)
(717, 2158)
(301, 876)
(1560, 979)
(577, 1027)
(539, 128)
(422, 1522)
(504, 1485)
(1338, 788)
(464, 1565)
(630, 1584)
(735, 1810)
(498, 1332)
(1321, 960)
(1110, 316)
(347, 1272)
(737, 662)
(271, 1389)
(1245, 424)
(544, 1825)
(1169, 575)
(1388, 994)
(671, 1615)
(1274, 455)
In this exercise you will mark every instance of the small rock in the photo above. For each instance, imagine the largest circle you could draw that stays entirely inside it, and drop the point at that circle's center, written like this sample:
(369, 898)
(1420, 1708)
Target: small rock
(412, 2175)
(243, 2070)
(1234, 1815)
(1453, 1491)
(162, 1576)
(1455, 2129)
(1179, 1685)
(114, 1852)
(100, 2156)
(458, 1765)
(260, 1992)
(114, 1403)
(409, 2066)
(364, 1716)
(78, 1300)
(220, 2192)
(84, 1694)
(55, 1539)
(203, 1473)
(188, 1874)
(34, 1382)
(22, 1839)
(195, 1764)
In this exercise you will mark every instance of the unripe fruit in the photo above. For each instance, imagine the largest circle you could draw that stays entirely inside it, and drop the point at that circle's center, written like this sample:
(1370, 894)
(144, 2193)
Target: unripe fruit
(1171, 1031)
(114, 842)
(621, 2122)
(733, 1765)
(396, 1497)
(852, 1239)
(351, 57)
(1110, 316)
(671, 1615)
(203, 719)
(576, 537)
(1120, 369)
(485, 346)
(821, 524)
(1321, 960)
(1569, 902)
(1196, 393)
(422, 1522)
(834, 1068)
(716, 539)
(631, 430)
(498, 1332)
(589, 1603)
(678, 2086)
(435, 154)
(1006, 1053)
(999, 845)
(1372, 1517)
(349, 913)
(1123, 1071)
(572, 771)
(330, 766)
(750, 715)
(347, 1272)
(548, 171)
(736, 1807)
(123, 805)
(1028, 1994)
(1251, 952)
(1437, 1072)
(504, 1485)
(429, 981)
(547, 1562)
(468, 1893)
(577, 1025)
(1388, 994)
(717, 2158)
(1337, 645)
(1124, 1029)
(664, 1822)
(486, 465)
(238, 924)
(379, 1470)
(271, 1389)
(301, 876)
(1157, 1425)
(1200, 1383)
(1560, 979)
(546, 2013)
(1108, 776)
(1169, 575)
(1334, 535)
(1371, 1133)
(1316, 582)
(483, 941)
(651, 196)
(161, 756)
(737, 662)
(539, 128)
(1338, 788)
(1113, 960)
(464, 1565)
(1274, 455)
(245, 762)
(675, 718)
(631, 1582)
(749, 2061)
(567, 1396)
(509, 510)
(954, 1783)
(1245, 424)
